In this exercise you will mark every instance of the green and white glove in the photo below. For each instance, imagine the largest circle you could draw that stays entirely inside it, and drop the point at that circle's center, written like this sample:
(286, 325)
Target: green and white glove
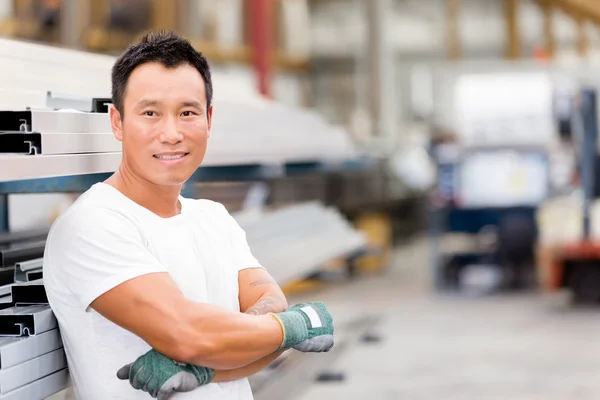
(162, 377)
(307, 327)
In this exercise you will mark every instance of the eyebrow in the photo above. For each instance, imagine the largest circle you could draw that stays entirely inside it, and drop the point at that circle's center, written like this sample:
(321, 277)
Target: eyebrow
(192, 104)
(149, 103)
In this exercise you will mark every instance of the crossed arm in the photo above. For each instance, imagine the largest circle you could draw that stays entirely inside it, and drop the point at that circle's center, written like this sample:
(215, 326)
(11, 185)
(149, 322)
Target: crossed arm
(152, 307)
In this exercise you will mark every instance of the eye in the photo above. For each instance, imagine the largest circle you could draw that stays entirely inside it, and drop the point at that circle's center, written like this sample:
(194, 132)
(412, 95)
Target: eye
(149, 113)
(188, 113)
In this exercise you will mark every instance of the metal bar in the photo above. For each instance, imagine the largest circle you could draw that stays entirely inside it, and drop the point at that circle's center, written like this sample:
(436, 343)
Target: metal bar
(75, 143)
(29, 293)
(15, 237)
(41, 388)
(5, 291)
(32, 370)
(49, 121)
(20, 143)
(22, 252)
(14, 168)
(588, 153)
(63, 100)
(25, 321)
(34, 275)
(17, 350)
(23, 268)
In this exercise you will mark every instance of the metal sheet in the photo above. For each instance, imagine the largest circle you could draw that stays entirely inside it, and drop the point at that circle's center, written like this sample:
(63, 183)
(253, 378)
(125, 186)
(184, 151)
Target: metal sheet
(23, 252)
(17, 350)
(32, 370)
(26, 321)
(41, 388)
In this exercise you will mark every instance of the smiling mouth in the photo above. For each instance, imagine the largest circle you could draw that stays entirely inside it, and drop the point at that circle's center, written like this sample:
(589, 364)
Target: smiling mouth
(170, 156)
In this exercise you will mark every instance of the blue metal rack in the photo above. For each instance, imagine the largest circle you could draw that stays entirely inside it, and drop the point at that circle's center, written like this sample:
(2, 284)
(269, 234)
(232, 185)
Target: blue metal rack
(80, 183)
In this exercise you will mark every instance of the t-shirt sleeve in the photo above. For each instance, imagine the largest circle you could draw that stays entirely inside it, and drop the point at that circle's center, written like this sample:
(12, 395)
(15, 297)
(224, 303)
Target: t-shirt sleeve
(95, 250)
(241, 249)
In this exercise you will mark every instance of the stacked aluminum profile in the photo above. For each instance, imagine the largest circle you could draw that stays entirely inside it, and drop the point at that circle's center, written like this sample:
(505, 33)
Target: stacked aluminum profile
(33, 363)
(296, 241)
(247, 129)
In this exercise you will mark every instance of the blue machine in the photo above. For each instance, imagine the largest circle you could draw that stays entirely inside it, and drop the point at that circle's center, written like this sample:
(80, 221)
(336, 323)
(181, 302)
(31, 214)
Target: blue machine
(491, 194)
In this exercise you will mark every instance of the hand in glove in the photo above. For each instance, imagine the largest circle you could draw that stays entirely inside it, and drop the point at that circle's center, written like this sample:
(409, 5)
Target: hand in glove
(307, 327)
(161, 377)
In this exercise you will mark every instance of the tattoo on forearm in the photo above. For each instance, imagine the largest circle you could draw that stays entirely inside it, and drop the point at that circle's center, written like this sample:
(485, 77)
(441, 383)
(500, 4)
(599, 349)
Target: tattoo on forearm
(267, 304)
(268, 281)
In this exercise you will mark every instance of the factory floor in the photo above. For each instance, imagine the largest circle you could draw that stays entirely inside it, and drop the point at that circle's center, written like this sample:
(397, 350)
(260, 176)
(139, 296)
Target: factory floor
(434, 347)
(441, 347)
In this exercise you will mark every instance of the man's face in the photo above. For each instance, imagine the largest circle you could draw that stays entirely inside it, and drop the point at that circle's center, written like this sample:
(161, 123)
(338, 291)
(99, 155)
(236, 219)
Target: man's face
(166, 125)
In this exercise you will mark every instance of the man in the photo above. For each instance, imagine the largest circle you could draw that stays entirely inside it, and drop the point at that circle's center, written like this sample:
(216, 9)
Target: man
(153, 291)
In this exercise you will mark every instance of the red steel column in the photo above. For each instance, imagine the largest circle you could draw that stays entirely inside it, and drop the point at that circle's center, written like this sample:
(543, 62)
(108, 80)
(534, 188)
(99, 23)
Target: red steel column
(260, 28)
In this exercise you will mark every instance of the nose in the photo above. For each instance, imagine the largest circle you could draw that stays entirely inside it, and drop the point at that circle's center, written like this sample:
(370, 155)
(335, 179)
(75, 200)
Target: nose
(170, 132)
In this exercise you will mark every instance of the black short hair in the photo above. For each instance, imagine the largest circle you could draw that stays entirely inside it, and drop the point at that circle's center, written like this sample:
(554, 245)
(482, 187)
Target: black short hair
(165, 47)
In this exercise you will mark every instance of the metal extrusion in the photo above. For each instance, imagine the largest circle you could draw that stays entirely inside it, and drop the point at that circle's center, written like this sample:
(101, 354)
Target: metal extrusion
(6, 276)
(26, 321)
(5, 291)
(15, 167)
(32, 370)
(48, 121)
(80, 103)
(28, 293)
(55, 143)
(17, 350)
(22, 252)
(41, 388)
(16, 237)
(20, 143)
(24, 269)
(34, 275)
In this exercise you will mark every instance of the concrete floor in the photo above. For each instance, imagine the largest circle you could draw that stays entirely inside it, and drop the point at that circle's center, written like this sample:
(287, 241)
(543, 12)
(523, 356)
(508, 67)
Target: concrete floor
(434, 347)
(525, 347)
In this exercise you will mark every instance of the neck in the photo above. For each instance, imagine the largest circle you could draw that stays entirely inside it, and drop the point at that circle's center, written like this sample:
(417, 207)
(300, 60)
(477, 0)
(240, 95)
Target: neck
(162, 201)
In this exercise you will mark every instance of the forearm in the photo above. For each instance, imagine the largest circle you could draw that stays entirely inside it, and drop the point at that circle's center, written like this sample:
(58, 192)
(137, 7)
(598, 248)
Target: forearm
(248, 370)
(225, 341)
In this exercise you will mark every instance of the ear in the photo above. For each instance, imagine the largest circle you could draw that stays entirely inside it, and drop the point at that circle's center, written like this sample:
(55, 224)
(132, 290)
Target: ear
(116, 123)
(209, 116)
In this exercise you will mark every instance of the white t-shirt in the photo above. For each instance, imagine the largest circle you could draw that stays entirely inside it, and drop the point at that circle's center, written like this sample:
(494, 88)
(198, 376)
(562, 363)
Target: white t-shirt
(105, 239)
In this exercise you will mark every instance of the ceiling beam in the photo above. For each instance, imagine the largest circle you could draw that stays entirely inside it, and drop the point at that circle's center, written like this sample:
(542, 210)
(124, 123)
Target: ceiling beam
(584, 9)
(511, 11)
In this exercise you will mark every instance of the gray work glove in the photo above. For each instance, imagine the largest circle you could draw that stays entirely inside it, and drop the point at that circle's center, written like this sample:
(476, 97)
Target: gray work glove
(162, 377)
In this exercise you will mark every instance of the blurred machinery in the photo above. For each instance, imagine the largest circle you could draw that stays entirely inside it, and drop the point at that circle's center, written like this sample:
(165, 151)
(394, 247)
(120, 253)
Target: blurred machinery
(570, 255)
(493, 173)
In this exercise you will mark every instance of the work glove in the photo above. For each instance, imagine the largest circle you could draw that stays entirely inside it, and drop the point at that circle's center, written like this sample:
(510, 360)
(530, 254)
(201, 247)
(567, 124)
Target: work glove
(307, 327)
(162, 377)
